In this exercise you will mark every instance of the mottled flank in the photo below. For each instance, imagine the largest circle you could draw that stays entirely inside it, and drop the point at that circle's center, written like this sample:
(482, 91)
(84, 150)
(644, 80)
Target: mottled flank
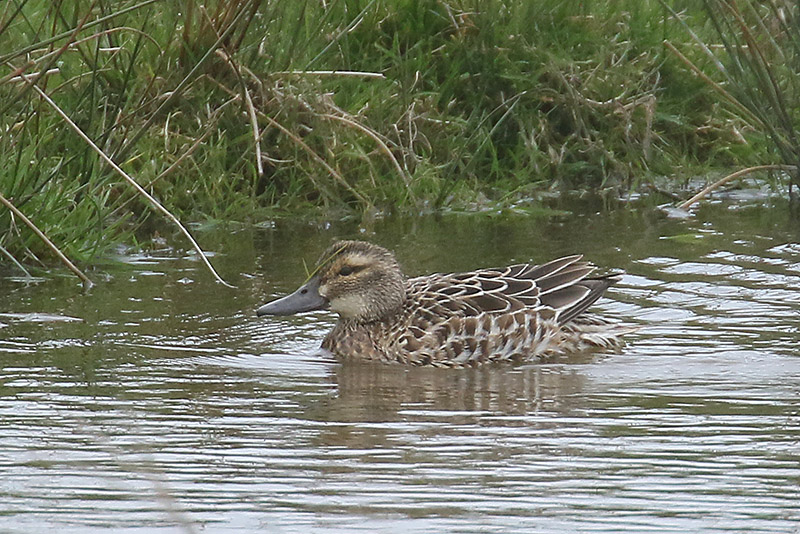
(513, 313)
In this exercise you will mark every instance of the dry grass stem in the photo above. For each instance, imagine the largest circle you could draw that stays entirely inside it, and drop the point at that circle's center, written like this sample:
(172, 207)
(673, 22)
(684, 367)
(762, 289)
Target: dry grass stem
(155, 203)
(374, 135)
(251, 111)
(343, 73)
(181, 87)
(14, 260)
(715, 86)
(61, 256)
(81, 26)
(333, 172)
(175, 164)
(29, 77)
(733, 176)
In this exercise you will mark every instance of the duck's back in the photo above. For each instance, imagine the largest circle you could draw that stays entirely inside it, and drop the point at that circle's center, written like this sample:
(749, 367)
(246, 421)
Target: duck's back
(508, 314)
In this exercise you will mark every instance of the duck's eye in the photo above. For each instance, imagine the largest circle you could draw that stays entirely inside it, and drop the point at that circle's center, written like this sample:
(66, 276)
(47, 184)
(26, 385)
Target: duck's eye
(346, 270)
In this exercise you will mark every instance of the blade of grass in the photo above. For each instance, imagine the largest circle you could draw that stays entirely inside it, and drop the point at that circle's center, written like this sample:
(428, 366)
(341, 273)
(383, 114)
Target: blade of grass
(510, 104)
(716, 87)
(178, 90)
(333, 172)
(9, 20)
(198, 142)
(46, 65)
(353, 73)
(14, 260)
(384, 148)
(350, 27)
(41, 44)
(706, 50)
(251, 110)
(155, 203)
(87, 284)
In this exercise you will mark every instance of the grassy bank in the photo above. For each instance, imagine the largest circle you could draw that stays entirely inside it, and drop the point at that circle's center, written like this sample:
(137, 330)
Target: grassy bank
(250, 109)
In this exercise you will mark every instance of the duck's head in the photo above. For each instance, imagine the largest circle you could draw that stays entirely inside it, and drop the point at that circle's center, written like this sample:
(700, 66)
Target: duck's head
(360, 281)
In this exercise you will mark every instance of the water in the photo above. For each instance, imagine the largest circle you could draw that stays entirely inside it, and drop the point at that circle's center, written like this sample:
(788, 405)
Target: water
(159, 403)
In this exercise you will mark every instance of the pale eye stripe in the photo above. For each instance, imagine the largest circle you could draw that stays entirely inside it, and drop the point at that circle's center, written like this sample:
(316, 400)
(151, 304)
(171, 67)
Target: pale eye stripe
(359, 260)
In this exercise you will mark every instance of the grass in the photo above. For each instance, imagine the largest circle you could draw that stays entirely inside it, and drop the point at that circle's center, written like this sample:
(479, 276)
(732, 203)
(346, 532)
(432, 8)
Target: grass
(756, 70)
(251, 109)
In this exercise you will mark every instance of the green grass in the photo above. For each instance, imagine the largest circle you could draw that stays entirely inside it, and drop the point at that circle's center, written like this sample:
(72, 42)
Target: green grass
(761, 44)
(479, 101)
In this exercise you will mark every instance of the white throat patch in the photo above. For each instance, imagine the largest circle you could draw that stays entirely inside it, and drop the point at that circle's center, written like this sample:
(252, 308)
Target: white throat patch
(349, 306)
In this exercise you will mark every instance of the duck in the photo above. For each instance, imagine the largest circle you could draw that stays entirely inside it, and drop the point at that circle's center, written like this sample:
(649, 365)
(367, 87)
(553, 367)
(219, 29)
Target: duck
(519, 313)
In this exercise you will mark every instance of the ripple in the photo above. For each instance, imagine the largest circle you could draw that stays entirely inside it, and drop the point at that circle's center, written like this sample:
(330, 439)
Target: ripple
(39, 318)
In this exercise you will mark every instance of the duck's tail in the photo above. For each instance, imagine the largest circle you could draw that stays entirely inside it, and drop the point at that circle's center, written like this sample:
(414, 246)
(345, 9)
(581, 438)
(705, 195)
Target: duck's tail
(587, 332)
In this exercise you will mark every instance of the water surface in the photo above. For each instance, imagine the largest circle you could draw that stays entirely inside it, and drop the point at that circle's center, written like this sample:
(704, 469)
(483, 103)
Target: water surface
(159, 403)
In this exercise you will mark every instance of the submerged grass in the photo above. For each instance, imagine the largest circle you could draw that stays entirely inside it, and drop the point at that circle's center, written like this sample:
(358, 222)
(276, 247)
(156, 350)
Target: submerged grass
(249, 109)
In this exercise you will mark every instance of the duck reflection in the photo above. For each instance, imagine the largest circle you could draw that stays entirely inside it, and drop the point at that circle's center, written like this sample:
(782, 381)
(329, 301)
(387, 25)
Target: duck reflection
(374, 402)
(379, 392)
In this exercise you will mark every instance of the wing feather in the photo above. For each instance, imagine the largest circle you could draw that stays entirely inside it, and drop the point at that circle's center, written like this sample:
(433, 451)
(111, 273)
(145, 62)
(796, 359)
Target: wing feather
(562, 285)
